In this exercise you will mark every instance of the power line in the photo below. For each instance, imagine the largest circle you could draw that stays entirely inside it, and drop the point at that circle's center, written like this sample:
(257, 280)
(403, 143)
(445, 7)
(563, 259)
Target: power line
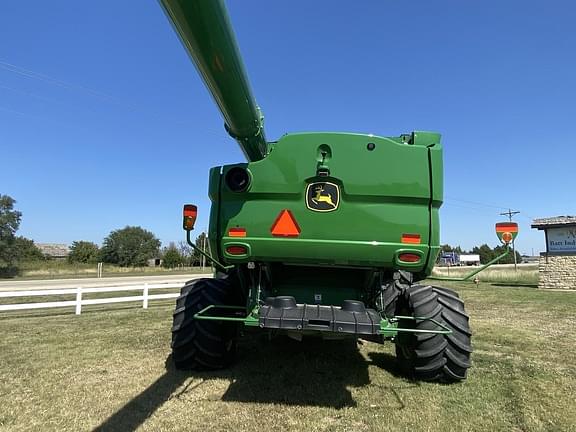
(449, 198)
(470, 208)
(14, 111)
(509, 213)
(25, 93)
(48, 79)
(476, 203)
(28, 73)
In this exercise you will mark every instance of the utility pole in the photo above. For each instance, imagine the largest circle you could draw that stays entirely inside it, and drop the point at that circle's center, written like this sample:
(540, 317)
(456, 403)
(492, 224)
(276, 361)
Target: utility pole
(205, 246)
(511, 213)
(204, 250)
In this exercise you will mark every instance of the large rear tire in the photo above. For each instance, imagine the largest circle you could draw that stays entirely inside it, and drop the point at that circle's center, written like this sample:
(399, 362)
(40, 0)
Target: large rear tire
(428, 356)
(392, 291)
(204, 344)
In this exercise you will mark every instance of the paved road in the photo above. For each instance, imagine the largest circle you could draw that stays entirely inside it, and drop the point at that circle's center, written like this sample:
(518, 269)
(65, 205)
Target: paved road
(17, 285)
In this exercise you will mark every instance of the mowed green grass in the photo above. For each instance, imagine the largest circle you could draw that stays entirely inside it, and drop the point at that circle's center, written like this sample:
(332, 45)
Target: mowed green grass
(110, 370)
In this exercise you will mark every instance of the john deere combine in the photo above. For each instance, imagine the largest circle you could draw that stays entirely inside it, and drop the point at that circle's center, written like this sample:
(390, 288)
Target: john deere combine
(318, 234)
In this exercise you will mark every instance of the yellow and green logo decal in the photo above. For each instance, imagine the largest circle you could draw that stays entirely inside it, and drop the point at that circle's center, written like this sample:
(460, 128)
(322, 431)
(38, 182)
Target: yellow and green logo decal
(322, 196)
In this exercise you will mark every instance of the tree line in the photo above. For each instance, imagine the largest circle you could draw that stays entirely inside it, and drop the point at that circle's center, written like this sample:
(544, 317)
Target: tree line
(486, 253)
(131, 246)
(13, 248)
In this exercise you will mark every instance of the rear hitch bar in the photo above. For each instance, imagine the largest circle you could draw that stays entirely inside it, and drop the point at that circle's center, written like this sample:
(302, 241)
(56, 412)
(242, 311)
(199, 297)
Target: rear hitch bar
(388, 327)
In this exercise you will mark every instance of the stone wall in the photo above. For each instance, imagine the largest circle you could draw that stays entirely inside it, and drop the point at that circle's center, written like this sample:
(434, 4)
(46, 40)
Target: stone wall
(557, 272)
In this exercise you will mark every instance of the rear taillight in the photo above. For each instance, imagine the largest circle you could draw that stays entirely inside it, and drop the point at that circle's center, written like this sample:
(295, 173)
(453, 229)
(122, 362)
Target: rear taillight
(236, 250)
(409, 257)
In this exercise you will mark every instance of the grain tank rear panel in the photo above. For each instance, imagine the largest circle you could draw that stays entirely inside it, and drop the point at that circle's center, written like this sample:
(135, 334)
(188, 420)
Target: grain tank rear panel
(383, 202)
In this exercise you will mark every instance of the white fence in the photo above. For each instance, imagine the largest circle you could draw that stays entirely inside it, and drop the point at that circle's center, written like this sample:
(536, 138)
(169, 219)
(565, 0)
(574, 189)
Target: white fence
(79, 292)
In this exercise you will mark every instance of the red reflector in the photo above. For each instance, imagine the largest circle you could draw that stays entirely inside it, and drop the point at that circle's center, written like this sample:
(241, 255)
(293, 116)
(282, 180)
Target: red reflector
(236, 250)
(237, 232)
(410, 238)
(409, 257)
(285, 225)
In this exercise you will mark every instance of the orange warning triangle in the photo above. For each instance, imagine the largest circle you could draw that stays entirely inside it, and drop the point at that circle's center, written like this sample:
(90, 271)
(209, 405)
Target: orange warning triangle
(285, 225)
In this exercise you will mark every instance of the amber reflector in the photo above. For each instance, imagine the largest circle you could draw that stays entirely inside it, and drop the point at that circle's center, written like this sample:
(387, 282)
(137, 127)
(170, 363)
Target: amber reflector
(409, 257)
(285, 225)
(236, 250)
(411, 238)
(237, 232)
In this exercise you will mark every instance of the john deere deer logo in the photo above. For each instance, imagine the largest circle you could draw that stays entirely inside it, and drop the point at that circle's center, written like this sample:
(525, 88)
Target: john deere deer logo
(322, 197)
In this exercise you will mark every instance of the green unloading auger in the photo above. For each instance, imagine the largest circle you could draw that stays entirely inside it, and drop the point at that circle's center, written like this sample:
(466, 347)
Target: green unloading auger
(205, 31)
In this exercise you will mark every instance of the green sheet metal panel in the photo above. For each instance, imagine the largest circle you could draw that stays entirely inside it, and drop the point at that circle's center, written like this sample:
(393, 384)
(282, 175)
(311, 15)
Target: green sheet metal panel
(384, 193)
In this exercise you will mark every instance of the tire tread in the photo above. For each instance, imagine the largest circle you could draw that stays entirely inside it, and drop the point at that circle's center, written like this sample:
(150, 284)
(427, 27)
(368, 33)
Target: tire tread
(434, 357)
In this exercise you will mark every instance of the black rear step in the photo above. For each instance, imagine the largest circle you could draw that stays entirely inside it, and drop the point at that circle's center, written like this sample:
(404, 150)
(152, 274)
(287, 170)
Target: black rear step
(282, 312)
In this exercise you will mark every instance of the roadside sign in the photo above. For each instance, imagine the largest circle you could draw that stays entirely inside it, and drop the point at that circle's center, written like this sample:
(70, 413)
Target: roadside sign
(506, 231)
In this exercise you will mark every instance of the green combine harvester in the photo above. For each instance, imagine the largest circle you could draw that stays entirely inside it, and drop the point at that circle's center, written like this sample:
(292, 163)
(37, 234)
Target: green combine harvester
(322, 234)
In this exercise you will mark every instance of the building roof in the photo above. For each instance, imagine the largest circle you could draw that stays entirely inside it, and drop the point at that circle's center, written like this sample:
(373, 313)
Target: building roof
(54, 250)
(553, 222)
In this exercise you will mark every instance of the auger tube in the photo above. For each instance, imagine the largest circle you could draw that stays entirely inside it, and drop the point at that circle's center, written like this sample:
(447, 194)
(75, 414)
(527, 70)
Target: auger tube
(205, 31)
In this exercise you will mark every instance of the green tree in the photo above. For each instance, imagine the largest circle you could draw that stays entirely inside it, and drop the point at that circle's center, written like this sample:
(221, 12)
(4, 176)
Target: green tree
(9, 223)
(26, 250)
(445, 248)
(186, 252)
(130, 246)
(449, 248)
(83, 252)
(508, 259)
(171, 257)
(486, 253)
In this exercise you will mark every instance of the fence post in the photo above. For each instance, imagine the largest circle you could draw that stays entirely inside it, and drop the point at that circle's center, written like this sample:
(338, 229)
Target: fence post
(145, 302)
(78, 300)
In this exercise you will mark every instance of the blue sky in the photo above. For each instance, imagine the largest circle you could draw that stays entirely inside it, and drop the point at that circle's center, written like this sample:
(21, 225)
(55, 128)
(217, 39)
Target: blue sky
(104, 121)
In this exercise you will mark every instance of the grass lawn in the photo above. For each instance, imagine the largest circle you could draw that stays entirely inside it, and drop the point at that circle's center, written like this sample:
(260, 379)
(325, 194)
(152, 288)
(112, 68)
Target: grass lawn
(109, 370)
(525, 274)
